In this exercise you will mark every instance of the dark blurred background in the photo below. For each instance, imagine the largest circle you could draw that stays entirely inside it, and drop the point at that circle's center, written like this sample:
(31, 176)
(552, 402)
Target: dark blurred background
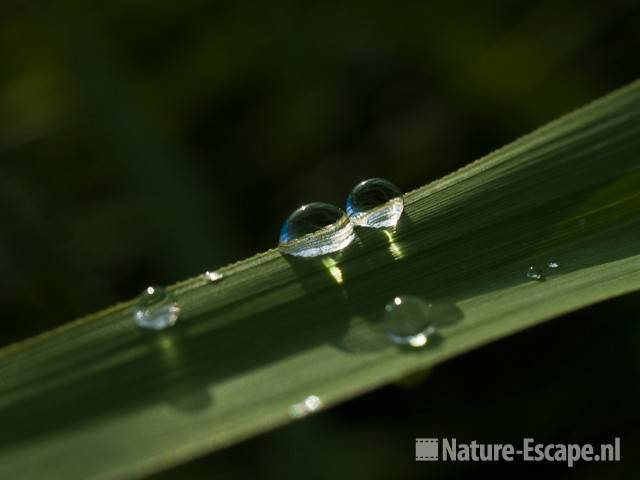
(145, 142)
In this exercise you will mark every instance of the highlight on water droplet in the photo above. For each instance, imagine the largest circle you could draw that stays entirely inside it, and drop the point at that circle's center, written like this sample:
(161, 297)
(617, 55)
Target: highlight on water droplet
(315, 229)
(408, 321)
(309, 405)
(553, 263)
(156, 309)
(375, 203)
(534, 273)
(212, 277)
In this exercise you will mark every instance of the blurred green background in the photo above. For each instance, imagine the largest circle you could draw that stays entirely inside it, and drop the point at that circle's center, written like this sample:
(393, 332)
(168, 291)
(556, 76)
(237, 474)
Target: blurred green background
(144, 142)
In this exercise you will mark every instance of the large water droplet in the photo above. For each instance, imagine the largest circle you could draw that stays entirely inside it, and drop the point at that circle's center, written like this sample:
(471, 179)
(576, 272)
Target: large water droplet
(309, 405)
(375, 203)
(534, 273)
(553, 263)
(156, 309)
(409, 321)
(315, 229)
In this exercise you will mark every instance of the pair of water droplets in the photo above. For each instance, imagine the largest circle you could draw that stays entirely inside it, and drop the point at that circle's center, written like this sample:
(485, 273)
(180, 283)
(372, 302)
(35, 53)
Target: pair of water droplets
(320, 228)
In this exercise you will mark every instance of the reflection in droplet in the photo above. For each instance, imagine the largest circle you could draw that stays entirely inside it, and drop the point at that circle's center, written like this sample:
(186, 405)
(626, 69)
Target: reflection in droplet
(156, 309)
(315, 229)
(375, 203)
(535, 273)
(553, 263)
(408, 321)
(309, 405)
(212, 277)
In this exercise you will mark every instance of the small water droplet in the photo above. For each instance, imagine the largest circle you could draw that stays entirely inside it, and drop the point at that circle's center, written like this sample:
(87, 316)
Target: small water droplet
(535, 273)
(375, 203)
(408, 321)
(309, 405)
(553, 263)
(156, 309)
(212, 276)
(315, 229)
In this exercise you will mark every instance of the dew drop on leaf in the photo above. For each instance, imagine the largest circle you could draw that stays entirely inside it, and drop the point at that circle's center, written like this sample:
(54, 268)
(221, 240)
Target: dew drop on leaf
(156, 309)
(315, 229)
(409, 321)
(535, 273)
(375, 203)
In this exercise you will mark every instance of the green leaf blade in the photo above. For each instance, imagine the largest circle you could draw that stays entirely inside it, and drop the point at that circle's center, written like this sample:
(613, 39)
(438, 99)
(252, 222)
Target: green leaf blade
(100, 398)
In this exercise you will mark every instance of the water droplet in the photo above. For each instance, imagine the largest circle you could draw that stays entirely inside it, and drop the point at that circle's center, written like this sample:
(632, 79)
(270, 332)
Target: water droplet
(156, 309)
(315, 229)
(212, 276)
(408, 321)
(309, 405)
(535, 273)
(553, 263)
(375, 203)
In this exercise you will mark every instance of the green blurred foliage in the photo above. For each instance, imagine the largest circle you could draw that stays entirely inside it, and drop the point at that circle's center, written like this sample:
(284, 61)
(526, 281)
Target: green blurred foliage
(142, 142)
